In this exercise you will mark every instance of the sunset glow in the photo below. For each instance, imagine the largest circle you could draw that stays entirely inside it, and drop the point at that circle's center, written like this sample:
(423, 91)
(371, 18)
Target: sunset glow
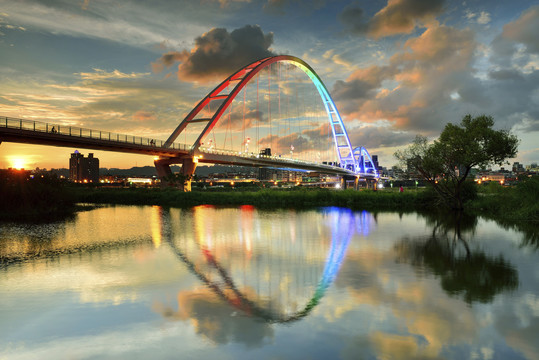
(389, 79)
(18, 163)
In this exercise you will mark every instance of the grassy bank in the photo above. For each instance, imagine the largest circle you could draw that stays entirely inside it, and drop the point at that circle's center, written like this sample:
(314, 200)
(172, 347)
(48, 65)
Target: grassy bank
(266, 198)
(48, 199)
(516, 203)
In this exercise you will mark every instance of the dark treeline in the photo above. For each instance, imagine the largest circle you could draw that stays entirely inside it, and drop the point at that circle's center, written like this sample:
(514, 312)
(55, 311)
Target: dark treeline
(39, 198)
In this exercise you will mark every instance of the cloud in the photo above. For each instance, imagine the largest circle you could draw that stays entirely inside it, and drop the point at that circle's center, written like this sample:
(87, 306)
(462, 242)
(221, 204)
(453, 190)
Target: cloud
(218, 53)
(4, 24)
(397, 17)
(130, 23)
(216, 320)
(167, 60)
(469, 14)
(416, 84)
(144, 116)
(379, 136)
(514, 75)
(362, 84)
(132, 103)
(237, 120)
(529, 124)
(99, 74)
(517, 43)
(225, 3)
(524, 30)
(484, 18)
(429, 327)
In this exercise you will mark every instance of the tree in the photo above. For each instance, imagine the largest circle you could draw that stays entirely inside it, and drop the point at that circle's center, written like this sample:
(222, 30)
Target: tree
(446, 163)
(177, 179)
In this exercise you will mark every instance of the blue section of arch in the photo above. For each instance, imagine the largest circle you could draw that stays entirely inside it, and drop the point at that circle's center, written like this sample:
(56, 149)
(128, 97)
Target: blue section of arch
(365, 164)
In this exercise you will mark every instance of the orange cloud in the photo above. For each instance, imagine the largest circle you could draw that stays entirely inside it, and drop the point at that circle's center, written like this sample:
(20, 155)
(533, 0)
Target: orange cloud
(215, 319)
(144, 116)
(402, 16)
(397, 17)
(417, 82)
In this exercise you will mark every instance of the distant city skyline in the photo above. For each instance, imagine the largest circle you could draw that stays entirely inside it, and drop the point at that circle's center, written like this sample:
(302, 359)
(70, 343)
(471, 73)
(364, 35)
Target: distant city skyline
(394, 68)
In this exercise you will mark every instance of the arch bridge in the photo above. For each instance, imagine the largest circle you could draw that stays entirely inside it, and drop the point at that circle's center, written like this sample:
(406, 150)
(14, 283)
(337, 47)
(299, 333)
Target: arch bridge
(275, 112)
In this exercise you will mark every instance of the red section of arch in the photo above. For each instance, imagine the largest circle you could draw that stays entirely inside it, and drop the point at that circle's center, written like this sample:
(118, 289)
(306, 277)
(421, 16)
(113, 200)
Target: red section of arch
(243, 75)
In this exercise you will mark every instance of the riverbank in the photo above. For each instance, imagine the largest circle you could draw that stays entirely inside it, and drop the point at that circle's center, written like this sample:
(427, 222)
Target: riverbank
(515, 203)
(49, 200)
(507, 204)
(265, 198)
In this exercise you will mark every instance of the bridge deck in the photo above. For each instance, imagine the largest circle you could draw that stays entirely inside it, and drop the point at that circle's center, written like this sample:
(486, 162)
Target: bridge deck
(230, 158)
(35, 132)
(40, 133)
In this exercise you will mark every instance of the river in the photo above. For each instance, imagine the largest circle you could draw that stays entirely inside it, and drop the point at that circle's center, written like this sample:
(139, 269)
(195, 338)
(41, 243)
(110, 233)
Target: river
(140, 282)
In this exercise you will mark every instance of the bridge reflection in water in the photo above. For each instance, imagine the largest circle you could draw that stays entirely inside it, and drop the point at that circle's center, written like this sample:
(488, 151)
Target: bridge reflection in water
(262, 269)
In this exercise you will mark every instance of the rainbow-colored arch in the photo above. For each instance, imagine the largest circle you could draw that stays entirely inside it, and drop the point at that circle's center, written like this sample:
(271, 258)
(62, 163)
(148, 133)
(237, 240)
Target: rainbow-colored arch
(239, 80)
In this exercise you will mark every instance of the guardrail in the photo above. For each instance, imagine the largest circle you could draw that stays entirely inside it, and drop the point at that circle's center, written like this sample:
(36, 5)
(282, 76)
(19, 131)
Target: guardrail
(67, 130)
(247, 155)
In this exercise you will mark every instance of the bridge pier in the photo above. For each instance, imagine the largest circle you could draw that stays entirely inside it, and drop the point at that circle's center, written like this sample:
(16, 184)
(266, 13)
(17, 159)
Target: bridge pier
(345, 179)
(372, 184)
(181, 180)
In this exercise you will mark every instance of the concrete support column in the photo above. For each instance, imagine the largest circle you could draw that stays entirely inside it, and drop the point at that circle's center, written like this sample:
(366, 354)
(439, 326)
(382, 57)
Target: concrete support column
(186, 173)
(162, 166)
(188, 170)
(346, 178)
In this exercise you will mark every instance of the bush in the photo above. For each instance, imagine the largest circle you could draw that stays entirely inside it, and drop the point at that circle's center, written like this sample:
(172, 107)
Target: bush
(469, 191)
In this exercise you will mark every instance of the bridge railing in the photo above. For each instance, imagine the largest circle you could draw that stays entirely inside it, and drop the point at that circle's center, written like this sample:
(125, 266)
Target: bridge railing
(73, 131)
(249, 155)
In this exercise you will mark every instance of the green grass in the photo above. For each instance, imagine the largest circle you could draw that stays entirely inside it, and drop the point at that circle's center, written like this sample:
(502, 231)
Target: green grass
(517, 203)
(45, 200)
(266, 198)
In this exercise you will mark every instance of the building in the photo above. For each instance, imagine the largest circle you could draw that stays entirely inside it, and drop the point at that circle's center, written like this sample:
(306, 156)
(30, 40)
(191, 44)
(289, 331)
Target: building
(375, 162)
(271, 174)
(483, 177)
(83, 169)
(518, 167)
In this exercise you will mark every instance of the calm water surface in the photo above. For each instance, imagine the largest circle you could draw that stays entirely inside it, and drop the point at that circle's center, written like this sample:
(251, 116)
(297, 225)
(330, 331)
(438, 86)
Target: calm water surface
(130, 282)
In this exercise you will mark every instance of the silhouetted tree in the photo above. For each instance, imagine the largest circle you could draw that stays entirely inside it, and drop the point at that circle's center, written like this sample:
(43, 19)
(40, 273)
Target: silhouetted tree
(446, 163)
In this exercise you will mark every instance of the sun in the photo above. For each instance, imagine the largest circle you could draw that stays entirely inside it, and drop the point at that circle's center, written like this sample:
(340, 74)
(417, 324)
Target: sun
(18, 163)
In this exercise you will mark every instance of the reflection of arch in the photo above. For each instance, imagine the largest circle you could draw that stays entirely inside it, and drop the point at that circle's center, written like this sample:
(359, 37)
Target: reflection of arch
(342, 222)
(239, 80)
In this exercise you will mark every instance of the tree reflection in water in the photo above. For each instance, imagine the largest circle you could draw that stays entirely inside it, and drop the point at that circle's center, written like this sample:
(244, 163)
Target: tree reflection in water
(469, 273)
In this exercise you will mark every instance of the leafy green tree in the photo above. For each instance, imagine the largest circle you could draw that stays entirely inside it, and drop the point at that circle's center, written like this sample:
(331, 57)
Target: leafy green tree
(446, 163)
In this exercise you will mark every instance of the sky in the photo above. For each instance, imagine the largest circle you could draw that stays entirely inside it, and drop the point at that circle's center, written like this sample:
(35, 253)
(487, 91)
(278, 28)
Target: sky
(395, 68)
